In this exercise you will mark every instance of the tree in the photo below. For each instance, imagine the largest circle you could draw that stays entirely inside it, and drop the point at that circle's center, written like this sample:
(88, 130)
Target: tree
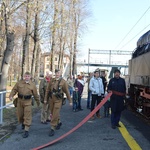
(25, 54)
(36, 39)
(8, 51)
(53, 47)
(6, 59)
(55, 23)
(2, 32)
(6, 15)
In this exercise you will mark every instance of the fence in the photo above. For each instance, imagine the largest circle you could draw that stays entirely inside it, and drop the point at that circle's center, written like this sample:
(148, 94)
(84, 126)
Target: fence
(1, 105)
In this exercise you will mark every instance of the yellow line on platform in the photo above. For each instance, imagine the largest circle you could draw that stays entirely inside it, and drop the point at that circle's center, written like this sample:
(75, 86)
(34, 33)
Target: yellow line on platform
(128, 138)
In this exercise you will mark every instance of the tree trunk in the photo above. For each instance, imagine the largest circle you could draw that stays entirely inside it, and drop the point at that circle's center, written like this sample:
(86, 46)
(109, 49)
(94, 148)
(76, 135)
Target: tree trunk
(61, 36)
(36, 41)
(71, 56)
(8, 51)
(74, 66)
(53, 36)
(37, 64)
(25, 55)
(60, 54)
(2, 34)
(6, 60)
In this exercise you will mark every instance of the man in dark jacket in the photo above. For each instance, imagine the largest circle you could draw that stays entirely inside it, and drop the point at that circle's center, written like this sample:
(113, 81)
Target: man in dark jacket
(103, 77)
(118, 87)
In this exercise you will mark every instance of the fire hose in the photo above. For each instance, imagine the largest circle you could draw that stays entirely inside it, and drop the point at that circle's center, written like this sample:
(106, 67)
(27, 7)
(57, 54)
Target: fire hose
(78, 125)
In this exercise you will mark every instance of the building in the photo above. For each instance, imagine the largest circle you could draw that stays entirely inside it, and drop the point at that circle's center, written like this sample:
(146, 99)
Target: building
(45, 63)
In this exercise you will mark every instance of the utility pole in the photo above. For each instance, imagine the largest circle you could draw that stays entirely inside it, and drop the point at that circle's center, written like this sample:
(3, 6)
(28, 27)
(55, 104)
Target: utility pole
(109, 56)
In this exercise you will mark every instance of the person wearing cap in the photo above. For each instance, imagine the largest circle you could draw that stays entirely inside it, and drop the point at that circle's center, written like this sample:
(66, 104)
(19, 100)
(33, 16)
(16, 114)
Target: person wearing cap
(45, 111)
(118, 88)
(96, 86)
(55, 90)
(25, 89)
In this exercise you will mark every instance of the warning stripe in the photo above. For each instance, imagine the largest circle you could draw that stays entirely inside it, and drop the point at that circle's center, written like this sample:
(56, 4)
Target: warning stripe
(77, 126)
(128, 138)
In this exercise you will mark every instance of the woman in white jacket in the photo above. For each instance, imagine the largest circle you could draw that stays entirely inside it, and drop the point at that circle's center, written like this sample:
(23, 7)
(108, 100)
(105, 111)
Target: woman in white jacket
(96, 86)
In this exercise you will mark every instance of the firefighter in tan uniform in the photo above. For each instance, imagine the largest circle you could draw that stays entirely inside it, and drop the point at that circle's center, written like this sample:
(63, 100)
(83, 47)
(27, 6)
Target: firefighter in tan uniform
(55, 89)
(25, 89)
(45, 112)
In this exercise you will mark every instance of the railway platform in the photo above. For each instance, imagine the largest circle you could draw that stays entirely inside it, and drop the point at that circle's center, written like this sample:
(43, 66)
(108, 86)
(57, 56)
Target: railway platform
(95, 134)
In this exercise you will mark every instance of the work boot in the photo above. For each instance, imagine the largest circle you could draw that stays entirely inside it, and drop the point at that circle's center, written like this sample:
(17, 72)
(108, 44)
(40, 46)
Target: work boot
(98, 115)
(58, 126)
(52, 132)
(26, 134)
(118, 125)
(23, 127)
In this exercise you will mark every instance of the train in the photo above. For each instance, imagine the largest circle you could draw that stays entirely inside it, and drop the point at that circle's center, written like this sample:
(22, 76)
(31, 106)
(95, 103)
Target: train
(138, 85)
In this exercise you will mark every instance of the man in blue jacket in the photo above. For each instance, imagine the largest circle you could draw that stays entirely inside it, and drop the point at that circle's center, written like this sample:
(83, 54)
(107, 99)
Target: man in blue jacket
(118, 87)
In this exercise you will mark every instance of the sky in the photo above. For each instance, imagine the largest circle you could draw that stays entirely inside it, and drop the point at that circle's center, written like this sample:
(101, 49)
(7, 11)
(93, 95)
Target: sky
(111, 21)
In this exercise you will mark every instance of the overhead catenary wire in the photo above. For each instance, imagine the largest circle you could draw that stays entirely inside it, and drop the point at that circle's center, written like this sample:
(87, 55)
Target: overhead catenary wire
(135, 36)
(132, 27)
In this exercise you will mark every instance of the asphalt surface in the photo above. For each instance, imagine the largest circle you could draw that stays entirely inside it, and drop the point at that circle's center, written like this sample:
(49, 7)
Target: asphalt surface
(96, 134)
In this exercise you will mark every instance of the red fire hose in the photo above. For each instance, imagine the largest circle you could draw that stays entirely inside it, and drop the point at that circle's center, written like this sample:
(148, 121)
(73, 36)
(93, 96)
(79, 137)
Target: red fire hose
(77, 126)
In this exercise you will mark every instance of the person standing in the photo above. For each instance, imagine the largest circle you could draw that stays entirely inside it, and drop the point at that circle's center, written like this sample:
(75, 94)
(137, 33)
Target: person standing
(75, 98)
(45, 112)
(70, 85)
(96, 86)
(55, 89)
(103, 77)
(25, 89)
(89, 91)
(80, 85)
(75, 80)
(118, 87)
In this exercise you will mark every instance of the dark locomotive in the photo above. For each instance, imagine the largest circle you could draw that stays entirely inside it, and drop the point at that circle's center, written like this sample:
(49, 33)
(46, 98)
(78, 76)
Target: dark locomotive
(139, 76)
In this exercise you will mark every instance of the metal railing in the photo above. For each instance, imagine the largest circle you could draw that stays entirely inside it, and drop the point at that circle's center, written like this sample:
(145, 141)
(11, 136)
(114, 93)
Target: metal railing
(2, 103)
